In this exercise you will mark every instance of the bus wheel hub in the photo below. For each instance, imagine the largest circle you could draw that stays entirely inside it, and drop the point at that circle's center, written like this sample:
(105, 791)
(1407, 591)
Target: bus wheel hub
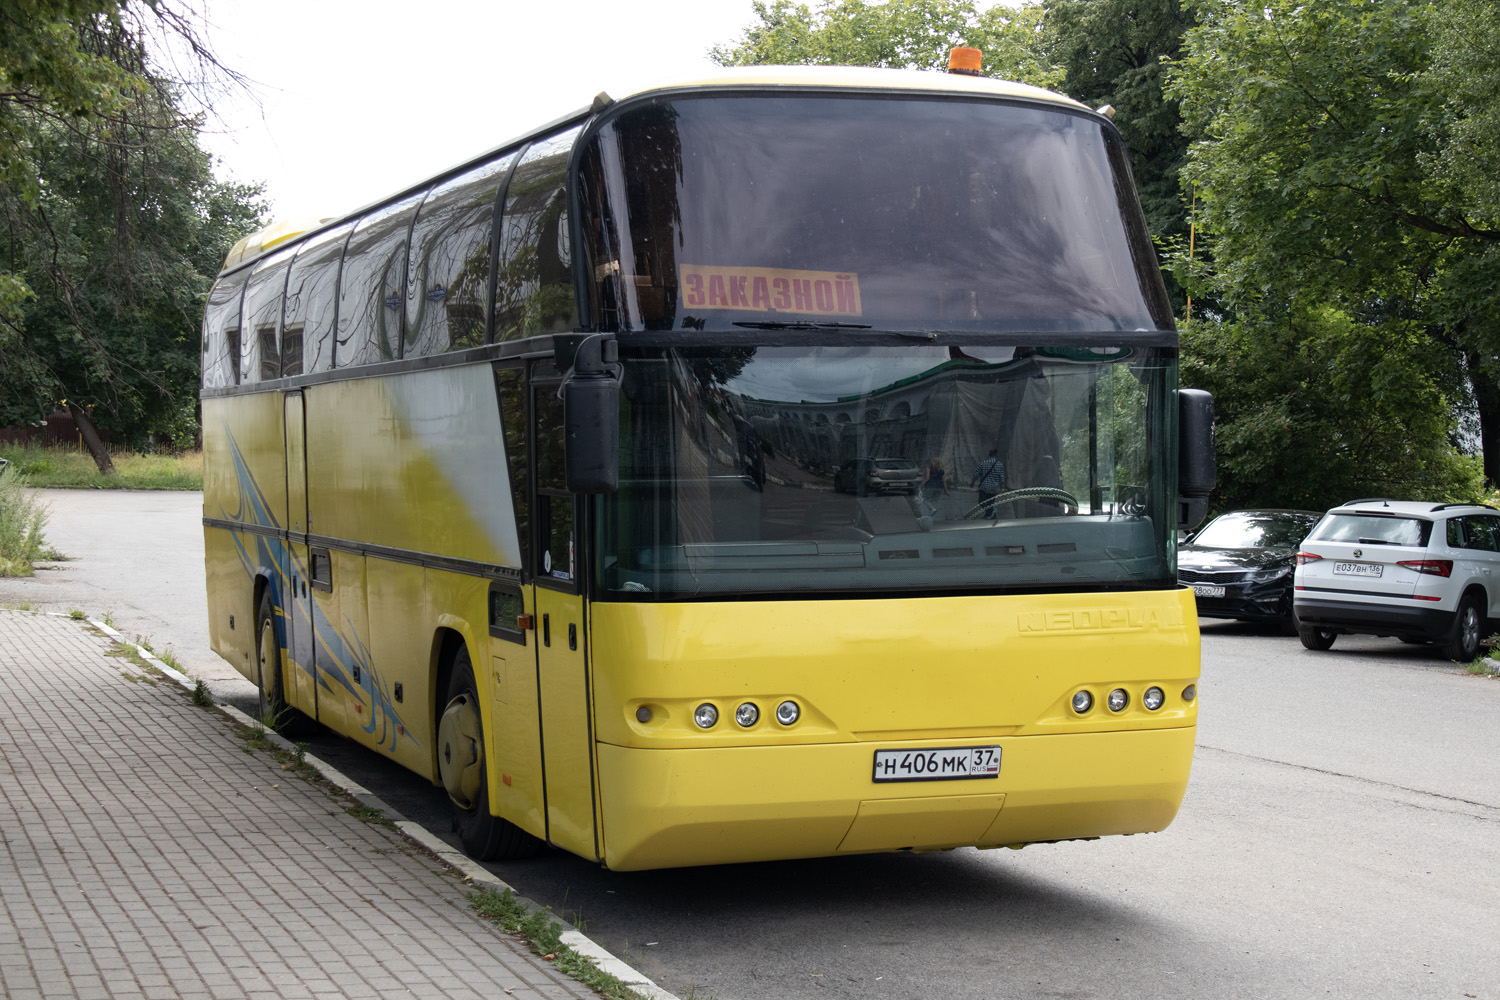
(460, 759)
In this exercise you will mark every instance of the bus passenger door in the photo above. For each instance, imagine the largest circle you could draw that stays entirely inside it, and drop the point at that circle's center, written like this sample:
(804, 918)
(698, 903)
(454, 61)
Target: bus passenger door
(300, 692)
(562, 667)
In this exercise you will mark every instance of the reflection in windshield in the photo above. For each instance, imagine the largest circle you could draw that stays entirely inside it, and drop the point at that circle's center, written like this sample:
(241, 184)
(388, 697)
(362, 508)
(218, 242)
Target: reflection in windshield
(834, 469)
(1250, 531)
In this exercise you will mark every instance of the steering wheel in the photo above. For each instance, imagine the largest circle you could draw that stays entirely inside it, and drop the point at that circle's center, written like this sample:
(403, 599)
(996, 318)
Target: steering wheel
(1050, 494)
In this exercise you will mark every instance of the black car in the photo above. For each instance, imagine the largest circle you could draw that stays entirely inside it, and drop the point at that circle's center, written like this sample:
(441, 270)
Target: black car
(1240, 564)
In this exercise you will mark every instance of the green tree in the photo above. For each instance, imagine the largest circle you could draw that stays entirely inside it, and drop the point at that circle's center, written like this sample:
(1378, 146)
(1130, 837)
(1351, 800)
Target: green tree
(1328, 179)
(896, 34)
(1117, 52)
(113, 221)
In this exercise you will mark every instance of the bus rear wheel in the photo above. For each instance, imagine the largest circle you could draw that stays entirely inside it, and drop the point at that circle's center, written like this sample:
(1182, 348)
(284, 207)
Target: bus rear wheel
(275, 713)
(462, 768)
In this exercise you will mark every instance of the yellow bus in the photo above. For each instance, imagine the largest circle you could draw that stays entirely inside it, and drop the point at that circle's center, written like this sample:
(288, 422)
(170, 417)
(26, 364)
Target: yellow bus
(781, 464)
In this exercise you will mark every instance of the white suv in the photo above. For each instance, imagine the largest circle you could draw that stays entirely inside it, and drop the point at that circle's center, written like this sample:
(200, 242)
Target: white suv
(1421, 572)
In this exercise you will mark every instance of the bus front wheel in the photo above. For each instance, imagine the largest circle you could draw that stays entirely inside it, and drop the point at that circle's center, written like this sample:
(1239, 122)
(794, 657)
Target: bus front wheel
(462, 767)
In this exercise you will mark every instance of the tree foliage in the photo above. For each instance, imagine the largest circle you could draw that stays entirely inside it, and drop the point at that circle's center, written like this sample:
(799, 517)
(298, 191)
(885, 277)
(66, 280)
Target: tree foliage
(113, 221)
(1330, 183)
(896, 34)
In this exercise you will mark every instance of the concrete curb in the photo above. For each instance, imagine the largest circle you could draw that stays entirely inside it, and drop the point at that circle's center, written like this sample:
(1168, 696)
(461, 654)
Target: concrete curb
(465, 866)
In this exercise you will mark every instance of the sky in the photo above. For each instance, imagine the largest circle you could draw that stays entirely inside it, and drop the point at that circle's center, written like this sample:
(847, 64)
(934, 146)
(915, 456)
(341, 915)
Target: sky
(351, 101)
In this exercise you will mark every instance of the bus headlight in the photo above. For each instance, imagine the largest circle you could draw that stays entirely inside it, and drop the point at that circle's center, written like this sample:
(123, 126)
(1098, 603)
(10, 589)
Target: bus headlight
(747, 715)
(1118, 699)
(787, 713)
(1082, 702)
(1153, 699)
(706, 716)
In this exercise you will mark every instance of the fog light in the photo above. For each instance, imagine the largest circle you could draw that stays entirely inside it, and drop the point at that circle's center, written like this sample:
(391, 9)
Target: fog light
(747, 715)
(1153, 699)
(643, 714)
(1190, 692)
(705, 715)
(787, 713)
(1118, 699)
(1082, 702)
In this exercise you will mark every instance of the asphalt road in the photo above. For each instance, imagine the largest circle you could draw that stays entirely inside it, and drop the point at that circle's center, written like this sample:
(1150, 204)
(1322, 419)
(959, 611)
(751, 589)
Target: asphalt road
(1340, 836)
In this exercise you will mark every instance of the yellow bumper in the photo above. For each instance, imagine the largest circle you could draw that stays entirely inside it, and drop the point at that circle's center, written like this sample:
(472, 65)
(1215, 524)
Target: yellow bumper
(679, 807)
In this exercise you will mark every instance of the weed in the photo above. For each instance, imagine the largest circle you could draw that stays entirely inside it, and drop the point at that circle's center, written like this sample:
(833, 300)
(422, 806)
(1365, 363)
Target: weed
(77, 615)
(369, 814)
(22, 516)
(201, 697)
(545, 937)
(22, 606)
(255, 737)
(1482, 667)
(108, 620)
(170, 659)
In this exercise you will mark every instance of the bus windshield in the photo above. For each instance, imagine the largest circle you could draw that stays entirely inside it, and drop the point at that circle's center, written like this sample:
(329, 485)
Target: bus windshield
(930, 213)
(843, 470)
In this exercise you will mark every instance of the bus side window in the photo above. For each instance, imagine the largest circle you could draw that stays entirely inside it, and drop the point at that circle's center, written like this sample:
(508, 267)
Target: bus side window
(221, 332)
(449, 277)
(372, 286)
(534, 276)
(263, 299)
(506, 609)
(511, 384)
(311, 297)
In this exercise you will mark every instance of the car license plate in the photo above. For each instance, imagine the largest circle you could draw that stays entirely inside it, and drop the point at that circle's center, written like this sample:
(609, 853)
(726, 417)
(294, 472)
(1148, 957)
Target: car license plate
(1356, 569)
(1208, 589)
(937, 765)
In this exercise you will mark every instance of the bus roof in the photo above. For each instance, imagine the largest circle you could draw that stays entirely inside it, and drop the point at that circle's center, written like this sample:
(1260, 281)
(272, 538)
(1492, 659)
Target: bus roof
(838, 78)
(857, 78)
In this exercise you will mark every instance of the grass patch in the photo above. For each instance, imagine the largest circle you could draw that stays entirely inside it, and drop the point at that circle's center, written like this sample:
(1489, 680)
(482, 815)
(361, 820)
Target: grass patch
(544, 935)
(69, 468)
(22, 516)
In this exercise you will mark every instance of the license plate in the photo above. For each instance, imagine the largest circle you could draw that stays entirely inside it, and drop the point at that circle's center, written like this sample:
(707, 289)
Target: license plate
(1208, 589)
(937, 765)
(1356, 569)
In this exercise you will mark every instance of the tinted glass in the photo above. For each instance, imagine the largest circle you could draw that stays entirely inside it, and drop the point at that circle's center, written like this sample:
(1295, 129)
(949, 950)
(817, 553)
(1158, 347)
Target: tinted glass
(797, 469)
(534, 290)
(372, 287)
(263, 299)
(312, 299)
(511, 384)
(897, 214)
(1372, 529)
(1254, 531)
(450, 265)
(221, 332)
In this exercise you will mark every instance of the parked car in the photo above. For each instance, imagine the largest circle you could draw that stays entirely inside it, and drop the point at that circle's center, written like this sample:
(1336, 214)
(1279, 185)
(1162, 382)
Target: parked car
(877, 475)
(1240, 564)
(1421, 572)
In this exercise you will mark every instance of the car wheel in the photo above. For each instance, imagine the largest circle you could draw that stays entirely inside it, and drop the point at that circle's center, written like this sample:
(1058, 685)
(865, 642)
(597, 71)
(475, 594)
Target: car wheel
(1462, 643)
(1315, 638)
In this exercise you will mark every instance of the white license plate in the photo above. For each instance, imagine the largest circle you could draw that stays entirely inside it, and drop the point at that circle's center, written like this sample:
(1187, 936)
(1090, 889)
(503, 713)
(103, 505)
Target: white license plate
(937, 765)
(1356, 569)
(1208, 589)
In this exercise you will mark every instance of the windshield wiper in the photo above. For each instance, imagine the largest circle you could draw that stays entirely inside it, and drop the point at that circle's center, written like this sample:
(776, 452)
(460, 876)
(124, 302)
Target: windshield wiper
(799, 325)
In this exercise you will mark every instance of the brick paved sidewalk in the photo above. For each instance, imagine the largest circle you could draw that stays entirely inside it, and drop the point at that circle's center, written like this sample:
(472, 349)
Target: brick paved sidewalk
(144, 853)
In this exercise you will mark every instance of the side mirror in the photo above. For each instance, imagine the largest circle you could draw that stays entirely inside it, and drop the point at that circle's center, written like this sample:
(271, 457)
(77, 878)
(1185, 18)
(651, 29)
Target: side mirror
(591, 416)
(1197, 456)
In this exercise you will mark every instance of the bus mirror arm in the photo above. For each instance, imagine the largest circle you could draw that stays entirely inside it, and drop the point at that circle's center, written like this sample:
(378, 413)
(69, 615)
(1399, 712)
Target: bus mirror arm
(1197, 472)
(591, 410)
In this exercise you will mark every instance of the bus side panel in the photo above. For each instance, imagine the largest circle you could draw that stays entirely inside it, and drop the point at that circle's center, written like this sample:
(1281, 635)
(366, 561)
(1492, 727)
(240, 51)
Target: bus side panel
(244, 482)
(512, 737)
(415, 462)
(342, 652)
(231, 610)
(391, 705)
